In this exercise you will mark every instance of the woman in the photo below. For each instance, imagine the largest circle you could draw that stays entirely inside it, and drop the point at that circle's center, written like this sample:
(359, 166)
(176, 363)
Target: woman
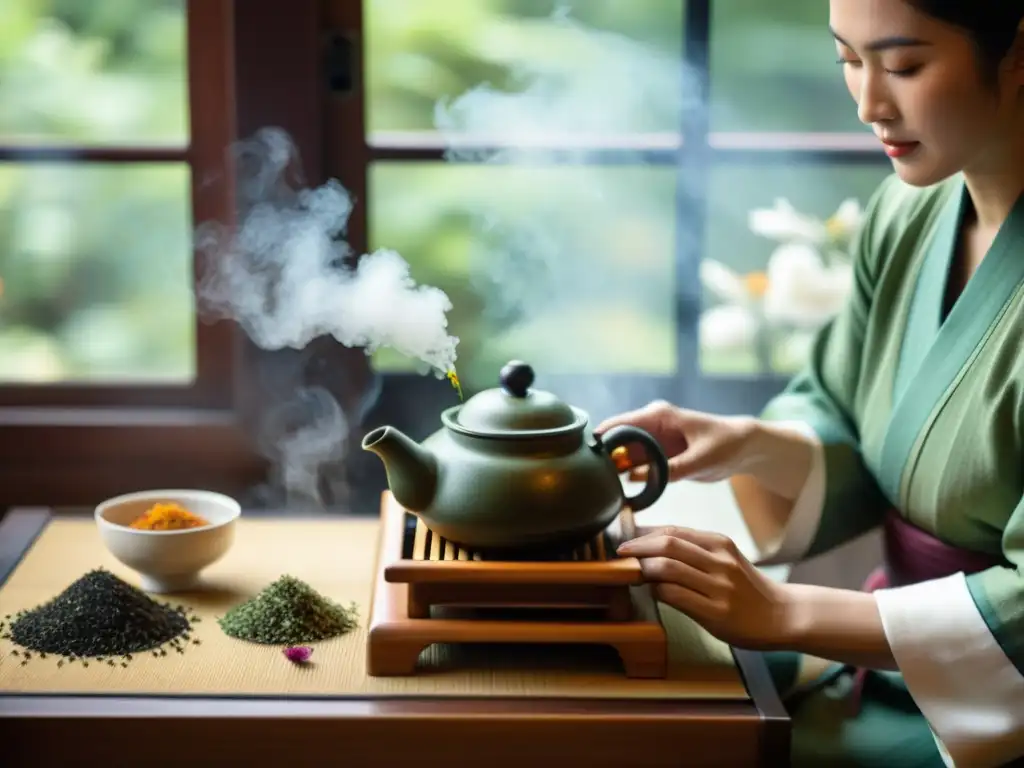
(910, 415)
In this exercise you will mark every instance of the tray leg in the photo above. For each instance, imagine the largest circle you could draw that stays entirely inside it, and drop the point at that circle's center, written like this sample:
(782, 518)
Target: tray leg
(638, 661)
(419, 602)
(395, 657)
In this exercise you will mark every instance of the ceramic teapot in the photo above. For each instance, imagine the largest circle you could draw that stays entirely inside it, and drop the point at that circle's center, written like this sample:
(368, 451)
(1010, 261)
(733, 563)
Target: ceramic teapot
(515, 468)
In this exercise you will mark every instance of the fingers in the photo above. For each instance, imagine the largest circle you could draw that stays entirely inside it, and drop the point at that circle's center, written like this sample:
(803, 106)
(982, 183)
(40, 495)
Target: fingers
(665, 570)
(641, 417)
(646, 531)
(640, 474)
(672, 546)
(678, 469)
(632, 417)
(709, 541)
(694, 571)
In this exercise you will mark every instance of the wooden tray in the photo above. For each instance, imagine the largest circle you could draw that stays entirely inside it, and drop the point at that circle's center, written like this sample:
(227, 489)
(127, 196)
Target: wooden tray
(398, 635)
(590, 577)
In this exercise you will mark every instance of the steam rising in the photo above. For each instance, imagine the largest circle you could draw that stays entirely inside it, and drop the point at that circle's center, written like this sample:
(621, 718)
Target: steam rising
(601, 89)
(285, 274)
(603, 100)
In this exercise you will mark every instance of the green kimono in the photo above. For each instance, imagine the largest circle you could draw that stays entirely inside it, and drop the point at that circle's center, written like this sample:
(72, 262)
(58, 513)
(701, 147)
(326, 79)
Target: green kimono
(922, 410)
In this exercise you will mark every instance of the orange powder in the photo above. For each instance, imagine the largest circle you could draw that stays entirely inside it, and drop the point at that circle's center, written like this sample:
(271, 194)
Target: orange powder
(167, 517)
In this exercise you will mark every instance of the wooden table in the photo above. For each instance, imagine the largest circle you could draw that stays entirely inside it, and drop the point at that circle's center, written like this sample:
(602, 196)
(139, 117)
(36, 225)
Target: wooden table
(188, 731)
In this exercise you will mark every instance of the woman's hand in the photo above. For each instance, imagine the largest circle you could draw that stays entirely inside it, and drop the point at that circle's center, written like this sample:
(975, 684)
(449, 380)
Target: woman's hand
(705, 576)
(699, 446)
(709, 448)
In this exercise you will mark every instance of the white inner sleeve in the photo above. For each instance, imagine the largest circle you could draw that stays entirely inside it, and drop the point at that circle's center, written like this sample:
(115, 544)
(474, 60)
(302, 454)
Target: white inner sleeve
(967, 688)
(796, 538)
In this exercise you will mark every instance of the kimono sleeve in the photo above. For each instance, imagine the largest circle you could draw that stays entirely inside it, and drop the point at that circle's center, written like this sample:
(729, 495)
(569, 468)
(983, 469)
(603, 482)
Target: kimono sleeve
(959, 644)
(841, 499)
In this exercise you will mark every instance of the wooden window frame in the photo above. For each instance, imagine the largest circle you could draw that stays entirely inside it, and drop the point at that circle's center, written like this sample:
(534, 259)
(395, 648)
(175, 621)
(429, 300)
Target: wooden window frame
(253, 63)
(75, 444)
(211, 130)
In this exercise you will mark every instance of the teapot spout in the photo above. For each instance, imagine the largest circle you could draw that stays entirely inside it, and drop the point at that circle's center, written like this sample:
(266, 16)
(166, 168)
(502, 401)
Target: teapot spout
(411, 469)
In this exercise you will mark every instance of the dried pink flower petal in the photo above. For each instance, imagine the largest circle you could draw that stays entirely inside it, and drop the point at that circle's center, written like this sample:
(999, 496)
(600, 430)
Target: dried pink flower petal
(298, 653)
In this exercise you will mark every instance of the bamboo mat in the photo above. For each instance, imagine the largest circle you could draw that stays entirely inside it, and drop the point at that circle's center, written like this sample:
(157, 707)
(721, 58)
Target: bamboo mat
(337, 558)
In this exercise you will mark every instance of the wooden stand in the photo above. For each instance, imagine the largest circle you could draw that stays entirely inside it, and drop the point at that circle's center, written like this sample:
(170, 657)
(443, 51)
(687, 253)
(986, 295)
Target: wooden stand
(419, 574)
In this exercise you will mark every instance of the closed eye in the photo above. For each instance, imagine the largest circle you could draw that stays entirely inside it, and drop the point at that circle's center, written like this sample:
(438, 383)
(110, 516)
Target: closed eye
(905, 72)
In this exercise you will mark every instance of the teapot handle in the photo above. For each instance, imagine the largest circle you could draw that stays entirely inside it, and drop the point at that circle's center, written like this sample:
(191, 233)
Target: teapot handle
(657, 476)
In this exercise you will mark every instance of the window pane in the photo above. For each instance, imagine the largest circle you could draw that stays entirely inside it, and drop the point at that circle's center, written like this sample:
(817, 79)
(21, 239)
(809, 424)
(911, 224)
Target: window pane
(420, 52)
(773, 69)
(765, 297)
(95, 73)
(571, 269)
(96, 271)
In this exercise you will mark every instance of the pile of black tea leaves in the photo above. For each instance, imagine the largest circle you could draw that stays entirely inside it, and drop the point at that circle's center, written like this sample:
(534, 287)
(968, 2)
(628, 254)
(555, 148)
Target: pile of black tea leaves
(99, 618)
(290, 612)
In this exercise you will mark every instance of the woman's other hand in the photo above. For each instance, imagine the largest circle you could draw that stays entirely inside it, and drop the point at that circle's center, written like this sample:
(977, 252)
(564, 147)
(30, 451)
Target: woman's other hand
(699, 446)
(705, 576)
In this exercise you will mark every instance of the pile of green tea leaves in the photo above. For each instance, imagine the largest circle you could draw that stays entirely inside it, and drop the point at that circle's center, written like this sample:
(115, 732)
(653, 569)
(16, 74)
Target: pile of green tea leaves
(289, 611)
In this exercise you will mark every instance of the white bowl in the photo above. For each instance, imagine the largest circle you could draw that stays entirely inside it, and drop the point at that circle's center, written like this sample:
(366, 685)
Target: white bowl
(168, 561)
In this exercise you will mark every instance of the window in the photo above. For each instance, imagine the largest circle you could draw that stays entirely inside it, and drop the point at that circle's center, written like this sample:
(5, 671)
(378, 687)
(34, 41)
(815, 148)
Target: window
(114, 127)
(115, 121)
(573, 226)
(651, 132)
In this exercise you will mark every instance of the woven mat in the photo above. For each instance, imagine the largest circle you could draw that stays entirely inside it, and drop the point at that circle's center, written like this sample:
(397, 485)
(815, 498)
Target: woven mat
(336, 557)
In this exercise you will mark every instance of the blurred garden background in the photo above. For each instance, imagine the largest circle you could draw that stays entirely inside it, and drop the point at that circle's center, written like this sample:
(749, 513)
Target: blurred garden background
(95, 258)
(572, 268)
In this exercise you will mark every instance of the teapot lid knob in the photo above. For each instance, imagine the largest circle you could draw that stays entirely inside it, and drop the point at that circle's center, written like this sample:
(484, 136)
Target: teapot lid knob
(517, 378)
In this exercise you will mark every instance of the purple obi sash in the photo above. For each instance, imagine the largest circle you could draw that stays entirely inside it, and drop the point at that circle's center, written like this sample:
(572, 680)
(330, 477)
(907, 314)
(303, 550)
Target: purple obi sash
(913, 555)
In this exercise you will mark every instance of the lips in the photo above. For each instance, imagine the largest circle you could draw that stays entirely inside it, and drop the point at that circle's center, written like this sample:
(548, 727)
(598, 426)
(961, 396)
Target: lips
(899, 148)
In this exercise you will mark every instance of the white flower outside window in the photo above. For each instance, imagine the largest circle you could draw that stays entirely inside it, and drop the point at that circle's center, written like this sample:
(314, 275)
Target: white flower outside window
(770, 316)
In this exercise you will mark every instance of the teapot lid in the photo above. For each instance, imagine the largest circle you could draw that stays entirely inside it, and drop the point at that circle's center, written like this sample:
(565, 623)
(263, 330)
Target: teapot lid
(515, 407)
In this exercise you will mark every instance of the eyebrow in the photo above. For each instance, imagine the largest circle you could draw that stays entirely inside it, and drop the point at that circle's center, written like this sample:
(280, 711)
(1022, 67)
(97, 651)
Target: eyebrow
(886, 43)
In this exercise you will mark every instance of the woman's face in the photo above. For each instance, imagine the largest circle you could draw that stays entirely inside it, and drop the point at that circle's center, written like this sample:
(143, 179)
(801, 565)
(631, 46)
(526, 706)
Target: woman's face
(918, 84)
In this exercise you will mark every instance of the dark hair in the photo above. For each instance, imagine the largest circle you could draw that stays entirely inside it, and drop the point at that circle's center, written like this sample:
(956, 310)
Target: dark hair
(992, 24)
